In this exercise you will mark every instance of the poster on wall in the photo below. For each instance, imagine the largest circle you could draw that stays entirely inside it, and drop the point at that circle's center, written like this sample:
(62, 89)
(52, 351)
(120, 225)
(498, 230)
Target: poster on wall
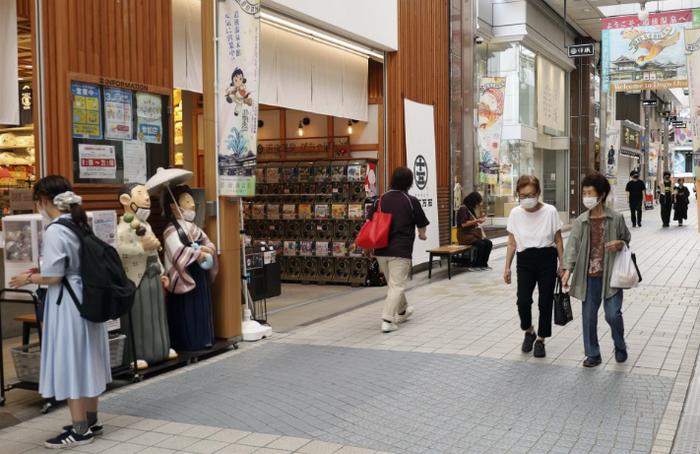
(420, 158)
(653, 159)
(135, 162)
(238, 67)
(97, 162)
(551, 96)
(491, 104)
(118, 114)
(87, 121)
(149, 118)
(646, 55)
(611, 164)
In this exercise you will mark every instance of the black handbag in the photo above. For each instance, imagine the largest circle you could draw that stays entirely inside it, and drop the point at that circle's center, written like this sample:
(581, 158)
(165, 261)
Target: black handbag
(562, 305)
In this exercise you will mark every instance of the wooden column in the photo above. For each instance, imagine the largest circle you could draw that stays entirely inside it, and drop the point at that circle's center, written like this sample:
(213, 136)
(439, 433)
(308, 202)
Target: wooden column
(227, 289)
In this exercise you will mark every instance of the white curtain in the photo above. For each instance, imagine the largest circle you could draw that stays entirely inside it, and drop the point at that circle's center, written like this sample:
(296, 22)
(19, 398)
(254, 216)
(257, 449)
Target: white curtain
(9, 85)
(187, 45)
(299, 73)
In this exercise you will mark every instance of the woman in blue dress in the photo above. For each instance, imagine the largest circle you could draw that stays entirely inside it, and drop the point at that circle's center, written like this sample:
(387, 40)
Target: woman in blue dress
(74, 352)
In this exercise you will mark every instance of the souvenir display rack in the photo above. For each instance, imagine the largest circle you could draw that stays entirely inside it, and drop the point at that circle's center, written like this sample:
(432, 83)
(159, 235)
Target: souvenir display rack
(310, 213)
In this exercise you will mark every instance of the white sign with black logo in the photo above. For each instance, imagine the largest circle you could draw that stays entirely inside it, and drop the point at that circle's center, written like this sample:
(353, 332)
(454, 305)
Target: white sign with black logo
(420, 158)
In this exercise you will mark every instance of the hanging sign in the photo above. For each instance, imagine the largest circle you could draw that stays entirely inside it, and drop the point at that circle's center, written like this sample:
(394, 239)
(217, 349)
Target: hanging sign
(87, 121)
(491, 104)
(649, 102)
(149, 118)
(647, 55)
(238, 67)
(631, 138)
(420, 157)
(692, 48)
(118, 114)
(581, 50)
(653, 159)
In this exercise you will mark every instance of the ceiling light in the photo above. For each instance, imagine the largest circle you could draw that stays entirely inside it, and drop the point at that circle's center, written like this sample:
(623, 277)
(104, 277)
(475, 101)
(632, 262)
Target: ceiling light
(349, 126)
(300, 131)
(643, 14)
(274, 19)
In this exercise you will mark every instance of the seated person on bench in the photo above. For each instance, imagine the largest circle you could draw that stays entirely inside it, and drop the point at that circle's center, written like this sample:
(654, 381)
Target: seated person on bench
(470, 232)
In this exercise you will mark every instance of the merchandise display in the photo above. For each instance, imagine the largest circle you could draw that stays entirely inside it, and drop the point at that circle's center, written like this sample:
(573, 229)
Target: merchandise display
(314, 210)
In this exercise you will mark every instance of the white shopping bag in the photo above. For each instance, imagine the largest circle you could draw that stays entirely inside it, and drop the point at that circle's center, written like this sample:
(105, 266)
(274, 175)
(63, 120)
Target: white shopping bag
(624, 273)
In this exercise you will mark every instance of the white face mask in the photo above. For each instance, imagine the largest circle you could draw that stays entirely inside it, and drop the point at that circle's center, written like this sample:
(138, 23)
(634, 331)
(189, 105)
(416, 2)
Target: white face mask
(142, 214)
(189, 215)
(590, 202)
(529, 203)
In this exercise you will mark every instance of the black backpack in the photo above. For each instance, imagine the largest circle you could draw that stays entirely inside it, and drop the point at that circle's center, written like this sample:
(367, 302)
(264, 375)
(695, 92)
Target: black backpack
(107, 292)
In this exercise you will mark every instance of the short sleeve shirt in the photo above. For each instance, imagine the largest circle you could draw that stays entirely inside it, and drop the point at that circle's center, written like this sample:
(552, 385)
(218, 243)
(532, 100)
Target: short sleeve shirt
(407, 215)
(636, 190)
(534, 229)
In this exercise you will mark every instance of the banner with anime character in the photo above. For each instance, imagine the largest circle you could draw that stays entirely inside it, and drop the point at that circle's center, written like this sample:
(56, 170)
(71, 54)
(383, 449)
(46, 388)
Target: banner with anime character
(492, 92)
(238, 30)
(647, 55)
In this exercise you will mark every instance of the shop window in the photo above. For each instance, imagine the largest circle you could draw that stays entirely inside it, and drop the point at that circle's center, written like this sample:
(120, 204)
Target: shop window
(527, 94)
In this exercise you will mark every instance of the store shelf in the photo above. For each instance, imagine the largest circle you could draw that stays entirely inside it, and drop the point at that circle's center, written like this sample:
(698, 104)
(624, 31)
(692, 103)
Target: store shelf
(18, 129)
(14, 147)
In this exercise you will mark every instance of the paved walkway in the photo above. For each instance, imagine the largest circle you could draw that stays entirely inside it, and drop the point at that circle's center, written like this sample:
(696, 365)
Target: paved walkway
(453, 380)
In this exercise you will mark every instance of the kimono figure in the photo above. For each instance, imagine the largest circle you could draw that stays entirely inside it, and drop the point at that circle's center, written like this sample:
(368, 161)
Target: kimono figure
(237, 92)
(138, 248)
(191, 265)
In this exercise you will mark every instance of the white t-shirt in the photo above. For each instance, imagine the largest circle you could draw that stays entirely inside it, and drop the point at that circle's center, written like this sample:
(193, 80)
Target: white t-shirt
(534, 230)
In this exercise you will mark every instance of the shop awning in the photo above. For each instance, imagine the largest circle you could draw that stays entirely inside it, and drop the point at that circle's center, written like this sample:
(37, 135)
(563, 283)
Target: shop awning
(302, 74)
(9, 85)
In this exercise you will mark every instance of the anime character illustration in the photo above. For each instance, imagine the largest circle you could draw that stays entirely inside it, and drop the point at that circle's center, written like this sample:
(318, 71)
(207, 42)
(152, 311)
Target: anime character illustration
(237, 93)
(653, 42)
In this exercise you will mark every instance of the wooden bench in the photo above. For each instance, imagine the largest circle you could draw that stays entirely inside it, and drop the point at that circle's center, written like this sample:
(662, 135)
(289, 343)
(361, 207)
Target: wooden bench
(445, 251)
(28, 322)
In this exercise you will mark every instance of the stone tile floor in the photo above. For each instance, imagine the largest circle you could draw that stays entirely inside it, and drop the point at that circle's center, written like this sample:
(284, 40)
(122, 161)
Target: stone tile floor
(451, 380)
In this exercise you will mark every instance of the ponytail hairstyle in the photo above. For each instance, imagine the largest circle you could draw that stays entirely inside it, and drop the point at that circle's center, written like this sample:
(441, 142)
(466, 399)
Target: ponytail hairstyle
(58, 191)
(168, 199)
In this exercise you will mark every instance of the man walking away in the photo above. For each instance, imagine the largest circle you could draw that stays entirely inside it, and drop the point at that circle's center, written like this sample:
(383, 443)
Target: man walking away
(666, 199)
(636, 190)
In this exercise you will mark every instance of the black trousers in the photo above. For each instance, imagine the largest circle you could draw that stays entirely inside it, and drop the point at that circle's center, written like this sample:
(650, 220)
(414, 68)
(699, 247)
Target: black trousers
(666, 205)
(537, 267)
(636, 211)
(482, 252)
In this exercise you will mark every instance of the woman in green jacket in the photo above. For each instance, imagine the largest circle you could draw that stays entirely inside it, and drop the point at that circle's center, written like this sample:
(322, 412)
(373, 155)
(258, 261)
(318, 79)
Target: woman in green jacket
(596, 238)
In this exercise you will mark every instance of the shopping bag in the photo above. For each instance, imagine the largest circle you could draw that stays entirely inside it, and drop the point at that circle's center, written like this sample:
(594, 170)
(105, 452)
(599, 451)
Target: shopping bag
(563, 313)
(374, 233)
(624, 273)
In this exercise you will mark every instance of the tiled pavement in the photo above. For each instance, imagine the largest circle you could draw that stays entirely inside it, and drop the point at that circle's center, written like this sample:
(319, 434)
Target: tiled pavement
(451, 380)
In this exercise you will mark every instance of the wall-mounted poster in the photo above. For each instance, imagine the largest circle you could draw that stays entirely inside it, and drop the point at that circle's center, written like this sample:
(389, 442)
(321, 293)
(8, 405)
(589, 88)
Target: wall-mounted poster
(551, 96)
(653, 159)
(645, 55)
(118, 114)
(238, 63)
(97, 161)
(87, 121)
(149, 118)
(135, 162)
(491, 104)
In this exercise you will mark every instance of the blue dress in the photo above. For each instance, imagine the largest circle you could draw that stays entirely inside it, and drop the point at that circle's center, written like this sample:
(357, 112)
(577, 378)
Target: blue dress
(74, 352)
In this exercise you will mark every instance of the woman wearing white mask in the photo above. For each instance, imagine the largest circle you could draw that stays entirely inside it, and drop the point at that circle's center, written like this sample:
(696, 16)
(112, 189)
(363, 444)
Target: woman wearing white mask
(596, 237)
(191, 266)
(534, 231)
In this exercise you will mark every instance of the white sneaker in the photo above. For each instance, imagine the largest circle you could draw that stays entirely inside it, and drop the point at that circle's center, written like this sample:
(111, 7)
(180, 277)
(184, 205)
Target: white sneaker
(406, 315)
(388, 327)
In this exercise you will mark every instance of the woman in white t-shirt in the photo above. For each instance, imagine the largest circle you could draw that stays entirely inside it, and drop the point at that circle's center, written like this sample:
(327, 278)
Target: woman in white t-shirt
(534, 231)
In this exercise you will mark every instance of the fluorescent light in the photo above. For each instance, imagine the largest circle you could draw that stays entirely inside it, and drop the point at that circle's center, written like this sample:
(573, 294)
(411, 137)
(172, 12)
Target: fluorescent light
(297, 27)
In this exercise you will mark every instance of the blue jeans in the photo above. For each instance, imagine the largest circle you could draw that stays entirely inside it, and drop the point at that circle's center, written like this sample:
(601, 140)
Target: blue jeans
(613, 315)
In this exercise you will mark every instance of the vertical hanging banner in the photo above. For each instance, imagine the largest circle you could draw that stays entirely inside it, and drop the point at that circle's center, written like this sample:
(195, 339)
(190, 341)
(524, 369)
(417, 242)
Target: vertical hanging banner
(492, 92)
(419, 126)
(692, 48)
(238, 65)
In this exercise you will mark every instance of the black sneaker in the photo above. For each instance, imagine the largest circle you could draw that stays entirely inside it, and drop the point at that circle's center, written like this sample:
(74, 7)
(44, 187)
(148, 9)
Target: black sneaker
(96, 428)
(620, 355)
(68, 439)
(592, 361)
(539, 350)
(528, 341)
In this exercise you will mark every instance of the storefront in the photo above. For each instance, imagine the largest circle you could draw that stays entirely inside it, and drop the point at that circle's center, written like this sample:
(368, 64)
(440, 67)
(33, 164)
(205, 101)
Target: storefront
(620, 164)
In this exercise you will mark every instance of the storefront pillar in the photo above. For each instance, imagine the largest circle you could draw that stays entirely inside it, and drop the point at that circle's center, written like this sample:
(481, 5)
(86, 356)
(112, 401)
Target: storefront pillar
(582, 139)
(226, 232)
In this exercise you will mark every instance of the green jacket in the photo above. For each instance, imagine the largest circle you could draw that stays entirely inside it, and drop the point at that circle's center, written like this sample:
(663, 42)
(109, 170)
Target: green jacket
(578, 247)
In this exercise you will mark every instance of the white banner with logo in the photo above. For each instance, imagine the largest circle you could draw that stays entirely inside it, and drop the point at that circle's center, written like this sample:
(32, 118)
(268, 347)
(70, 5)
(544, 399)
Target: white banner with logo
(237, 116)
(420, 158)
(692, 48)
